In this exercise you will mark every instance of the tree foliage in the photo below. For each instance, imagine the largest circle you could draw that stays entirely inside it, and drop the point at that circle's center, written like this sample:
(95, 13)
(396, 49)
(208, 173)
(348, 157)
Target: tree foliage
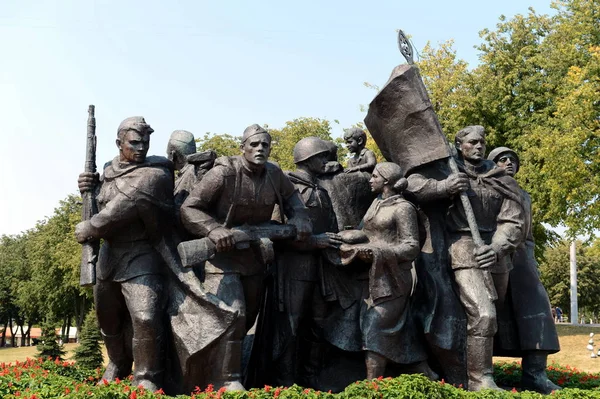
(222, 144)
(89, 352)
(39, 271)
(49, 346)
(555, 276)
(536, 90)
(285, 139)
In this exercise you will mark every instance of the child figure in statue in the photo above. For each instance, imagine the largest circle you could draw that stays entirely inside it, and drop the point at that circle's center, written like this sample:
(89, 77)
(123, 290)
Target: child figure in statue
(389, 242)
(363, 159)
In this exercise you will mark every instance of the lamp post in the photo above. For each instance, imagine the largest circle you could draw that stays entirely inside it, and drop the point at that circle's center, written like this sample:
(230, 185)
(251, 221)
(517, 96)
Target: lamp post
(573, 263)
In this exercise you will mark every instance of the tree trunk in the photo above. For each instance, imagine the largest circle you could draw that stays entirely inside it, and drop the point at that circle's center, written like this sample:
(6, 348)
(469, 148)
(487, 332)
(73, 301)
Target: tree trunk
(68, 329)
(80, 312)
(22, 335)
(29, 326)
(12, 334)
(3, 338)
(63, 330)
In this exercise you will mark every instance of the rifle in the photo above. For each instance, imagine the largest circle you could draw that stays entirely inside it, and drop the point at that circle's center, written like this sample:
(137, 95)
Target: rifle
(89, 253)
(196, 252)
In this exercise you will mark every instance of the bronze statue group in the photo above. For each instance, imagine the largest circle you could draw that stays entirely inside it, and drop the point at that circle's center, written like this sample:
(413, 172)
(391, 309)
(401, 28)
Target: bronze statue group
(229, 271)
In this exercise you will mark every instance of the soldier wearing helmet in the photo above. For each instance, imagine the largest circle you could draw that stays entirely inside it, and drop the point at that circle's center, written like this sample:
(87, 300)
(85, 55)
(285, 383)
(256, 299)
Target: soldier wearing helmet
(135, 196)
(239, 190)
(298, 270)
(526, 315)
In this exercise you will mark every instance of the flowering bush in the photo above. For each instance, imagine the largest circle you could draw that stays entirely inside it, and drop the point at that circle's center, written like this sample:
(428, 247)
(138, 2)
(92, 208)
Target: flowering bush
(509, 374)
(45, 379)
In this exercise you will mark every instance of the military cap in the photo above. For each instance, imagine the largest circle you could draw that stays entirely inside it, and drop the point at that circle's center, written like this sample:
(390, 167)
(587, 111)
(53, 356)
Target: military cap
(253, 130)
(137, 123)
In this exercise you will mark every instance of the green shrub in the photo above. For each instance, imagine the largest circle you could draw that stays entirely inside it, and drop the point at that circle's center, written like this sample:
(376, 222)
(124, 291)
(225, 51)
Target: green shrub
(89, 352)
(48, 346)
(45, 379)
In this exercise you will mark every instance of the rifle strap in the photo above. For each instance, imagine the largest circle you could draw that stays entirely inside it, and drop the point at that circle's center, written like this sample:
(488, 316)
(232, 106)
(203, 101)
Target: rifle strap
(278, 194)
(236, 194)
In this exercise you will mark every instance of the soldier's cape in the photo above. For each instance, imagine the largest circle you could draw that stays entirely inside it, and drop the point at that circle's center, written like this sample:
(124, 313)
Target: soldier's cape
(495, 178)
(196, 317)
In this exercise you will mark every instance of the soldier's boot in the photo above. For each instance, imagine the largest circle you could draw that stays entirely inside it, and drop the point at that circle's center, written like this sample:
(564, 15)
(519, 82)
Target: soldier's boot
(534, 373)
(375, 364)
(480, 369)
(148, 354)
(423, 368)
(285, 369)
(312, 360)
(119, 361)
(230, 376)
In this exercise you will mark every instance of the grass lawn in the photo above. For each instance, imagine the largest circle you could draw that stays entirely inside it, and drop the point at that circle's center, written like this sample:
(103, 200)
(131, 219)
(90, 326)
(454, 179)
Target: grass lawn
(573, 342)
(8, 355)
(573, 352)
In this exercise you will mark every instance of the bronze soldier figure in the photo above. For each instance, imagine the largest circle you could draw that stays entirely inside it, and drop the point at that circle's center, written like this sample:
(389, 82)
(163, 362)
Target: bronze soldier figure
(190, 166)
(299, 267)
(363, 159)
(527, 304)
(500, 217)
(135, 199)
(240, 190)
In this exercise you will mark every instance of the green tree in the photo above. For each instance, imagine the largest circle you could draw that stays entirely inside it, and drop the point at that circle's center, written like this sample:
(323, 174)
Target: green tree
(447, 80)
(285, 139)
(555, 275)
(54, 257)
(89, 352)
(536, 91)
(222, 144)
(49, 346)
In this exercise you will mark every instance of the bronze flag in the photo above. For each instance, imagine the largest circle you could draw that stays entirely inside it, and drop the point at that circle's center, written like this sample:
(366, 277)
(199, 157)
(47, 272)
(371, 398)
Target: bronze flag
(403, 123)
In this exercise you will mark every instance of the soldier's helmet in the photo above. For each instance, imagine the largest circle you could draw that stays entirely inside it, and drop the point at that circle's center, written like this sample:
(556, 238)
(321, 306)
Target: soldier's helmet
(253, 130)
(495, 154)
(182, 142)
(137, 123)
(309, 147)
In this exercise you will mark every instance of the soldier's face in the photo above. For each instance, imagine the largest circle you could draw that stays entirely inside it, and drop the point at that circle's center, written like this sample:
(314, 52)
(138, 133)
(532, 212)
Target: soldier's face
(472, 147)
(377, 182)
(509, 163)
(257, 148)
(352, 144)
(317, 163)
(134, 146)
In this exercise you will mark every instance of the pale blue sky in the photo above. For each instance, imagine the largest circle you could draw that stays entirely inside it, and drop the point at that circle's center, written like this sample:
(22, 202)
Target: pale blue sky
(203, 66)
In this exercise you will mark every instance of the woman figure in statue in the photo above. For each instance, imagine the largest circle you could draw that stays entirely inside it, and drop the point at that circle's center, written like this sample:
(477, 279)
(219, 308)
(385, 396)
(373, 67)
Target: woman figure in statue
(387, 242)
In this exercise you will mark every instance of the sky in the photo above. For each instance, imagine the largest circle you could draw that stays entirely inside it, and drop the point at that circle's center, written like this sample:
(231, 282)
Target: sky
(202, 66)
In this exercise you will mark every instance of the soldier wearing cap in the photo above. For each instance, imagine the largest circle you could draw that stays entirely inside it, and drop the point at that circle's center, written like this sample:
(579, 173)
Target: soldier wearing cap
(239, 190)
(526, 328)
(299, 268)
(190, 166)
(135, 197)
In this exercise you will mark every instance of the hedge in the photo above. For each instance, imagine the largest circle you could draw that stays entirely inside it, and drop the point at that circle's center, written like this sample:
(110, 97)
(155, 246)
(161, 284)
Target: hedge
(45, 379)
